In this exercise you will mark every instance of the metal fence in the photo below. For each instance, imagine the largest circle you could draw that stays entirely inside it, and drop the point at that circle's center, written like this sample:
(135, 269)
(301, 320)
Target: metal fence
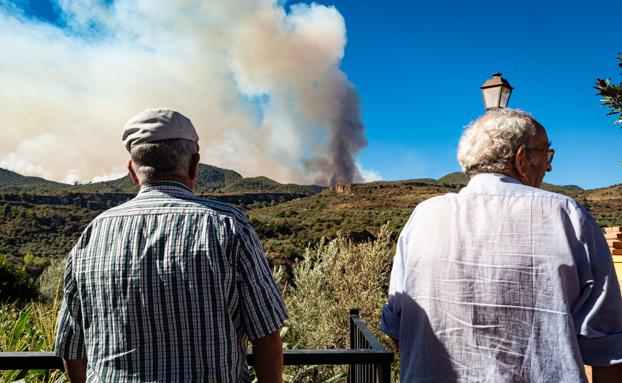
(362, 338)
(368, 360)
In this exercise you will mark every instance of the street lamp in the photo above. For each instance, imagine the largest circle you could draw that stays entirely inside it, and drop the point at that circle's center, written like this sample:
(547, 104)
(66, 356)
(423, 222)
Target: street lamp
(496, 92)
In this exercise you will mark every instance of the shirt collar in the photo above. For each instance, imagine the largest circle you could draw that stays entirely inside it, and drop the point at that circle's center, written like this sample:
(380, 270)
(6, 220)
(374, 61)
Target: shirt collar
(166, 187)
(486, 178)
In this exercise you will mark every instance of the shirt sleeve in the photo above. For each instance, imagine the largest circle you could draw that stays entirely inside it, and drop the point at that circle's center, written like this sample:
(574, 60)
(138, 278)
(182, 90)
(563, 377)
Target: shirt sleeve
(263, 310)
(598, 314)
(69, 334)
(391, 312)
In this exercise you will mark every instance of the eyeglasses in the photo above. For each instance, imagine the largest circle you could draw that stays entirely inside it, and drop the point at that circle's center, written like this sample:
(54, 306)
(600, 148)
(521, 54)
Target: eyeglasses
(550, 153)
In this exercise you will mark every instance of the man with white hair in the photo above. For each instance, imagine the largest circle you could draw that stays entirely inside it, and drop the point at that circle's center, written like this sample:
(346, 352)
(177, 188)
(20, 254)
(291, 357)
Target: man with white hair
(503, 281)
(168, 287)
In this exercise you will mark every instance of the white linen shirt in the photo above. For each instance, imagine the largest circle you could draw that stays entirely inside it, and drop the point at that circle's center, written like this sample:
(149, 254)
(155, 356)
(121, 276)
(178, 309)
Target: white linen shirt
(502, 282)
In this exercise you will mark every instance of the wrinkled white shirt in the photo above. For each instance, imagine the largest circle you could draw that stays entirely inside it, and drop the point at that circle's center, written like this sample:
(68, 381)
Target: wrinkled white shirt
(502, 282)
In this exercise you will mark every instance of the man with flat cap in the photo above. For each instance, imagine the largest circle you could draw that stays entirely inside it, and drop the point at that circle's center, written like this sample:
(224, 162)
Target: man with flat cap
(168, 287)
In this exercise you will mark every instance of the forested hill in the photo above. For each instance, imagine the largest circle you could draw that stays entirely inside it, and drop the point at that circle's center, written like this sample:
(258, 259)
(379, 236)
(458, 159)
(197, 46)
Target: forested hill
(459, 178)
(210, 179)
(40, 220)
(14, 182)
(357, 211)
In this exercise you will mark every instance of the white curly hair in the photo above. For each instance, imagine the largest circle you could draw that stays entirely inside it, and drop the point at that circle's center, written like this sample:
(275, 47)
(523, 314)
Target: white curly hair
(489, 144)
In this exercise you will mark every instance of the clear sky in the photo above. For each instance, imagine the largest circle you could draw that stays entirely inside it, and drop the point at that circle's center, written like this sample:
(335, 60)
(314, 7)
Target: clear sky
(418, 65)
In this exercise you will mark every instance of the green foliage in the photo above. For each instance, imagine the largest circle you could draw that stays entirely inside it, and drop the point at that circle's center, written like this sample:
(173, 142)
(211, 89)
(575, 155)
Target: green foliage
(264, 184)
(211, 178)
(34, 261)
(332, 277)
(29, 328)
(456, 178)
(611, 94)
(354, 212)
(15, 285)
(51, 281)
(34, 265)
(34, 234)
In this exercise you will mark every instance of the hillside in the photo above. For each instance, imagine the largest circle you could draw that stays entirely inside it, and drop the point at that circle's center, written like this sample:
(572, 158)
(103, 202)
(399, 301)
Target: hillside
(266, 185)
(210, 179)
(456, 178)
(287, 217)
(40, 220)
(12, 182)
(353, 211)
(357, 211)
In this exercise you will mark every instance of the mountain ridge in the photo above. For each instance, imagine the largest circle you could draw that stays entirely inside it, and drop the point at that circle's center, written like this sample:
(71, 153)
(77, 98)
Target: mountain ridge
(215, 180)
(287, 217)
(210, 180)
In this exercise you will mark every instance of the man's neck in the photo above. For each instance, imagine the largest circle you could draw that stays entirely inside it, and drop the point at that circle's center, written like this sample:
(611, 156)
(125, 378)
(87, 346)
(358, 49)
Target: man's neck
(510, 173)
(189, 183)
(514, 174)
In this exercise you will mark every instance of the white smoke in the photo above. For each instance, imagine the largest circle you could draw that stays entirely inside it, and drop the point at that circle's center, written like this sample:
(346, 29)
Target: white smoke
(262, 85)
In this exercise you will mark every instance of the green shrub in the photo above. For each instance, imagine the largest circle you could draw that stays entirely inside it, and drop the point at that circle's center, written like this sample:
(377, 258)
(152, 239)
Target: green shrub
(15, 285)
(331, 278)
(51, 281)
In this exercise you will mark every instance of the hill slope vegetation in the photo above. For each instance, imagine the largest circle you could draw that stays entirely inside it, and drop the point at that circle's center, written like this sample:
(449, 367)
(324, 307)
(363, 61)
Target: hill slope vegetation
(36, 228)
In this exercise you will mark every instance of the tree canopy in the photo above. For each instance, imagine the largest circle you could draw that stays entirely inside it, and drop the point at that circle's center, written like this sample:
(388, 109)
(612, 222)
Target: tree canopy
(611, 94)
(15, 285)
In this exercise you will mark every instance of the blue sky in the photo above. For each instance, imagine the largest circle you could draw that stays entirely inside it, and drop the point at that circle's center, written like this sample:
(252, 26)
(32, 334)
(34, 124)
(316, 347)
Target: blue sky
(418, 66)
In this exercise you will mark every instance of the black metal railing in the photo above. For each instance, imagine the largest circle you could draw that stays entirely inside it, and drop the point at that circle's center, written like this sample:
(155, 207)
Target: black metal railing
(368, 360)
(362, 338)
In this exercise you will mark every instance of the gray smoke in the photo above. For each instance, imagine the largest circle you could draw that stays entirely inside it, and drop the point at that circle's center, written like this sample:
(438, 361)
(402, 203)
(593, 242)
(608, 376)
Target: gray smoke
(347, 137)
(261, 83)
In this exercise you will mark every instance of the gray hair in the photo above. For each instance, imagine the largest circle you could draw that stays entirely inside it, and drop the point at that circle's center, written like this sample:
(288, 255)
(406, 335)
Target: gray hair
(489, 144)
(163, 158)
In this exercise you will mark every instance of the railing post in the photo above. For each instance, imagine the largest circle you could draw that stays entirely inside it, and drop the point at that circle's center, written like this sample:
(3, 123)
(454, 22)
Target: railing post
(383, 372)
(354, 312)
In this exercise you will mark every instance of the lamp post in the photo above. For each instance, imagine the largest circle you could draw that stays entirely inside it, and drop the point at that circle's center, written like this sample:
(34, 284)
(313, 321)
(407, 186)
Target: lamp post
(496, 92)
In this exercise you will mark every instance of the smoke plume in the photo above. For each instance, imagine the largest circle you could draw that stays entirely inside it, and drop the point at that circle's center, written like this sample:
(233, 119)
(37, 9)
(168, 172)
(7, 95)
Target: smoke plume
(261, 83)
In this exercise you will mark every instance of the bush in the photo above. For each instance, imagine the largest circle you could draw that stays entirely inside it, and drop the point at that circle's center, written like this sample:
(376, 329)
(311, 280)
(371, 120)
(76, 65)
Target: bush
(15, 285)
(51, 281)
(333, 277)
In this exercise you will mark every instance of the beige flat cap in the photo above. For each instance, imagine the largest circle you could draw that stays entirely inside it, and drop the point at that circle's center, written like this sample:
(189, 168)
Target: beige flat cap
(157, 124)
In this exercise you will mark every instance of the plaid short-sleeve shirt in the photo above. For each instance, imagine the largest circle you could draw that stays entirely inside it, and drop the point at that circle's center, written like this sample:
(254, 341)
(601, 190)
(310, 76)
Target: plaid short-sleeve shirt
(167, 287)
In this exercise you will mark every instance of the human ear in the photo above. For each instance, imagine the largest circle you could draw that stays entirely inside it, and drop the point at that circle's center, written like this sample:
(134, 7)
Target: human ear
(194, 166)
(522, 162)
(133, 176)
